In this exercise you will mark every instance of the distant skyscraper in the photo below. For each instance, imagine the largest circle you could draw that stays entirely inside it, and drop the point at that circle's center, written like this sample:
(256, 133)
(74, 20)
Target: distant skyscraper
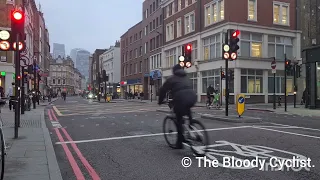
(59, 50)
(80, 58)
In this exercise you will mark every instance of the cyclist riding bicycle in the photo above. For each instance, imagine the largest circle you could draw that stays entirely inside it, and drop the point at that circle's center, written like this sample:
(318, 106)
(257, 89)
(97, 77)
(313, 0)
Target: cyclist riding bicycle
(183, 98)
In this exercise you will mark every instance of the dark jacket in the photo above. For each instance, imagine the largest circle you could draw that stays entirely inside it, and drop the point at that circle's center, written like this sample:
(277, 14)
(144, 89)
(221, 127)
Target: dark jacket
(180, 88)
(210, 91)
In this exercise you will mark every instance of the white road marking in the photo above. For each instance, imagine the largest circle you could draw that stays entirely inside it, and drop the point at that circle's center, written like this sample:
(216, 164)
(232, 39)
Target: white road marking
(81, 125)
(145, 115)
(112, 123)
(127, 123)
(56, 124)
(72, 119)
(296, 127)
(142, 121)
(157, 114)
(285, 132)
(97, 124)
(124, 116)
(143, 135)
(87, 118)
(135, 115)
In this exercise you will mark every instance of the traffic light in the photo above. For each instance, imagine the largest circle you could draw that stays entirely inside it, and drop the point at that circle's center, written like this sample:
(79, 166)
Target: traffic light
(234, 39)
(223, 75)
(287, 65)
(187, 55)
(298, 71)
(17, 28)
(231, 74)
(225, 51)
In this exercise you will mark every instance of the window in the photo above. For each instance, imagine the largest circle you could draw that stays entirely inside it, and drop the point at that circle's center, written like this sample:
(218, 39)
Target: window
(280, 13)
(189, 23)
(145, 47)
(59, 81)
(171, 58)
(167, 11)
(194, 80)
(212, 47)
(179, 5)
(131, 71)
(63, 81)
(146, 14)
(173, 8)
(186, 3)
(53, 81)
(146, 30)
(251, 81)
(214, 12)
(170, 31)
(278, 46)
(135, 68)
(280, 83)
(252, 10)
(140, 69)
(140, 52)
(136, 53)
(210, 77)
(179, 33)
(155, 61)
(140, 35)
(251, 44)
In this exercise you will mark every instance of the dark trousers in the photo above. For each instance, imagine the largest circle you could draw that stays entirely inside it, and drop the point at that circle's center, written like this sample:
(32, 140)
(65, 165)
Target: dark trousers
(180, 112)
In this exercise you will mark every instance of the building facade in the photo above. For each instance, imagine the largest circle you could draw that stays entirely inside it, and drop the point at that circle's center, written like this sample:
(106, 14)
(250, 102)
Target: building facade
(268, 29)
(62, 75)
(132, 61)
(58, 50)
(96, 68)
(111, 63)
(90, 80)
(82, 61)
(152, 22)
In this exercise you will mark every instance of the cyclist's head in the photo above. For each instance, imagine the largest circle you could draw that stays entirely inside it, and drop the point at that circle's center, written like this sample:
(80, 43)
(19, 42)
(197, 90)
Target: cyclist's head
(176, 68)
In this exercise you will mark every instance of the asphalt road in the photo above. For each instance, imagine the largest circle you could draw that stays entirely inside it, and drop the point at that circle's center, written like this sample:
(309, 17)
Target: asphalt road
(123, 140)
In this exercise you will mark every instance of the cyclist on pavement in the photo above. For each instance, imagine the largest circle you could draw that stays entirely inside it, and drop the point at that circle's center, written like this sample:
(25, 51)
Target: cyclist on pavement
(210, 96)
(183, 98)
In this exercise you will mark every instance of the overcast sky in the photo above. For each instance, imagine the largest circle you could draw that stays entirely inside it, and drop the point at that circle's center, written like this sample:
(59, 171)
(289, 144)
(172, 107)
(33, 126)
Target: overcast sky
(89, 24)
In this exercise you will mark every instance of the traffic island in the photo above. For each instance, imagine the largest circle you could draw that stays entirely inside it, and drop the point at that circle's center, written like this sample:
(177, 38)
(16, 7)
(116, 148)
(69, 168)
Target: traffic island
(232, 118)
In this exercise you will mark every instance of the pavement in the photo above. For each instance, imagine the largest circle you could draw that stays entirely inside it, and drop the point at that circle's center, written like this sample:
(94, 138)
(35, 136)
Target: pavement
(31, 156)
(124, 140)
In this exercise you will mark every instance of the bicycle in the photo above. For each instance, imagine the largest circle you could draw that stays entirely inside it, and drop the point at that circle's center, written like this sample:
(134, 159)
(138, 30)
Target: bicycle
(216, 102)
(191, 133)
(3, 147)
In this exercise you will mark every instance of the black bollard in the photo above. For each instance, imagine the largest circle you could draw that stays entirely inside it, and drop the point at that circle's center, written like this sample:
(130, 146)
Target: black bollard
(279, 101)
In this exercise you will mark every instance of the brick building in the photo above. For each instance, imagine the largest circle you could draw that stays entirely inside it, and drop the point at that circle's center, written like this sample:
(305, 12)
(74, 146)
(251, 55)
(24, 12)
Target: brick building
(96, 67)
(268, 29)
(132, 66)
(153, 40)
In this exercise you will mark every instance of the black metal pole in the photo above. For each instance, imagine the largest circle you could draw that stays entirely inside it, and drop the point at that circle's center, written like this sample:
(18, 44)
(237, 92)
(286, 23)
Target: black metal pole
(22, 91)
(17, 87)
(274, 90)
(34, 96)
(99, 88)
(227, 78)
(105, 91)
(220, 86)
(285, 83)
(294, 85)
(38, 88)
(151, 92)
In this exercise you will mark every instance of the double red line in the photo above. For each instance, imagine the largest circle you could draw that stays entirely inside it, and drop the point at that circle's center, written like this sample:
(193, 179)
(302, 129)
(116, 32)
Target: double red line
(78, 173)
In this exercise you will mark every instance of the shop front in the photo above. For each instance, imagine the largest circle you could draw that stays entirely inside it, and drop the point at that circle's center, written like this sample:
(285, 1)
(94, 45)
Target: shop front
(311, 58)
(156, 78)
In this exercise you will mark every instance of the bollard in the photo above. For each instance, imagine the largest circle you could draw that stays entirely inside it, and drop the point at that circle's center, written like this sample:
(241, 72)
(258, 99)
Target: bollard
(279, 101)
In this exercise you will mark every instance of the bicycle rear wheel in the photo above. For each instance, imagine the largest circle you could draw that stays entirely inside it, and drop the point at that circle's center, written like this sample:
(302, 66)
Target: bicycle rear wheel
(198, 134)
(2, 155)
(167, 123)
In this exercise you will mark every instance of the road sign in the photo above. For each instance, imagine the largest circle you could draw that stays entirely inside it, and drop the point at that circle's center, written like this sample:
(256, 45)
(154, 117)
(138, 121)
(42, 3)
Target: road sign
(24, 60)
(240, 106)
(273, 66)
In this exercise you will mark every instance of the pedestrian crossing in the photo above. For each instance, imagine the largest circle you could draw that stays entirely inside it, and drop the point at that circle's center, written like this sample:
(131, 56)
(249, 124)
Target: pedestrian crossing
(97, 109)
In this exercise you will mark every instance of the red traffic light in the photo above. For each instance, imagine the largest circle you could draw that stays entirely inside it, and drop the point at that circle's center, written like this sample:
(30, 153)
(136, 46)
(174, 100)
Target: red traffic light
(189, 47)
(19, 77)
(236, 33)
(17, 15)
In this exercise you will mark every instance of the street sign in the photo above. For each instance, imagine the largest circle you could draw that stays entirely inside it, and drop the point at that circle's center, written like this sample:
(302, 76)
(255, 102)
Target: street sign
(273, 66)
(240, 106)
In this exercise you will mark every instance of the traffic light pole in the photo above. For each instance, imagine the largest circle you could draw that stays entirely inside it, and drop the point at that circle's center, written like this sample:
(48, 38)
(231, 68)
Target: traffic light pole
(22, 92)
(34, 84)
(221, 85)
(99, 89)
(17, 87)
(105, 91)
(294, 85)
(285, 83)
(227, 78)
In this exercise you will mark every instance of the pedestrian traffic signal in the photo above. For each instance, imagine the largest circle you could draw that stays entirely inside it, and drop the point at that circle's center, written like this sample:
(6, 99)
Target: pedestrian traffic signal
(234, 39)
(225, 51)
(17, 29)
(298, 71)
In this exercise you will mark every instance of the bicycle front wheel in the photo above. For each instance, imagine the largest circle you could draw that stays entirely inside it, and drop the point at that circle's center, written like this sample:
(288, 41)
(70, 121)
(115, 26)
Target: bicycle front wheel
(198, 137)
(169, 128)
(2, 155)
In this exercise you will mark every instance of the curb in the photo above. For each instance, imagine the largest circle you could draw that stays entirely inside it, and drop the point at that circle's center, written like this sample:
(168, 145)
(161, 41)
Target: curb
(162, 110)
(138, 101)
(107, 102)
(263, 110)
(234, 119)
(54, 170)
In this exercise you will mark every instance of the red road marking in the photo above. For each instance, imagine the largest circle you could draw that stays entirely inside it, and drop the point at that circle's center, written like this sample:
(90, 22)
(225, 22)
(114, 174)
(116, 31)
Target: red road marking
(49, 113)
(84, 161)
(71, 159)
(54, 115)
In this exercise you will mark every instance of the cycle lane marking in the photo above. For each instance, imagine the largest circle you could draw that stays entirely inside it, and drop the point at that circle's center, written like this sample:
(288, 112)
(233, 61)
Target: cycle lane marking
(142, 135)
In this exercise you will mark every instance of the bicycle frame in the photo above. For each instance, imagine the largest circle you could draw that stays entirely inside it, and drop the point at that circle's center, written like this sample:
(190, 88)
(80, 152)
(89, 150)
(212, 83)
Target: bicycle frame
(1, 125)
